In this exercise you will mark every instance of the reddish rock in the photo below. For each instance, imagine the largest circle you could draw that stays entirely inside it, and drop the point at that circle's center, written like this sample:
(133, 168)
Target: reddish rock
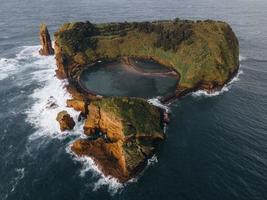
(117, 141)
(78, 105)
(45, 41)
(109, 157)
(166, 117)
(65, 121)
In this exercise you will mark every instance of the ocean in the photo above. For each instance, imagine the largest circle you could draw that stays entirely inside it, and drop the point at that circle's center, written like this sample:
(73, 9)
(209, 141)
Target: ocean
(216, 147)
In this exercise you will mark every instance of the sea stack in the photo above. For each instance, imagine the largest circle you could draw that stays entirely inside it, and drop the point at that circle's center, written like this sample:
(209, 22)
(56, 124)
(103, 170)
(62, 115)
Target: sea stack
(65, 121)
(45, 41)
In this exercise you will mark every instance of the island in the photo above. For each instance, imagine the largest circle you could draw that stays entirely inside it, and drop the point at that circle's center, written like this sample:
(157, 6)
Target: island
(123, 132)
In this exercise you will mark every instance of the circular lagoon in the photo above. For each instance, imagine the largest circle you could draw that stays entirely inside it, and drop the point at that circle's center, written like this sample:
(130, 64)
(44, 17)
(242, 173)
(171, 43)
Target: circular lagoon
(137, 78)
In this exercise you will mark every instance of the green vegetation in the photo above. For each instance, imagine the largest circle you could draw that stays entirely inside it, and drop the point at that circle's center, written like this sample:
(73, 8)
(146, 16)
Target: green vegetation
(139, 116)
(77, 37)
(141, 124)
(205, 53)
(202, 51)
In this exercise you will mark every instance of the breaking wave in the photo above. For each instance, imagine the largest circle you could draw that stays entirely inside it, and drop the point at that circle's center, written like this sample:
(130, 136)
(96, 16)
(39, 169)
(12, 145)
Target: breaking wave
(49, 99)
(112, 184)
(225, 88)
(12, 66)
(88, 165)
(156, 102)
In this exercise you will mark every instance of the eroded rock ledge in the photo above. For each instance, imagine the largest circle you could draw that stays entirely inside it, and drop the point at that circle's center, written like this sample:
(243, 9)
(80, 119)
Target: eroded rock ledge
(122, 134)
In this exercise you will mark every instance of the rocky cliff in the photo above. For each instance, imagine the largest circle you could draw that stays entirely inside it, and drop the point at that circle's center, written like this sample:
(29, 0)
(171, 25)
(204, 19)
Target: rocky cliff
(122, 134)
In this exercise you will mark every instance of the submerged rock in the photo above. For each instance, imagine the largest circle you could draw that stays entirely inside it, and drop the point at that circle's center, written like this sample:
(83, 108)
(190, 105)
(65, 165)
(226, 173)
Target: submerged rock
(132, 130)
(45, 41)
(51, 103)
(65, 121)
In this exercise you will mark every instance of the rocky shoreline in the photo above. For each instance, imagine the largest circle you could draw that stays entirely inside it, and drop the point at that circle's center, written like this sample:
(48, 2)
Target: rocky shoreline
(124, 146)
(208, 87)
(122, 132)
(131, 66)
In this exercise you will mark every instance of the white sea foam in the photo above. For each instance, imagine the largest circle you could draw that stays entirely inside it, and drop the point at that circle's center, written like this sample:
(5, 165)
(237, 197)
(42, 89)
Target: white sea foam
(242, 58)
(226, 88)
(48, 99)
(156, 102)
(20, 173)
(11, 66)
(152, 161)
(112, 184)
(28, 52)
(41, 115)
(88, 165)
(7, 67)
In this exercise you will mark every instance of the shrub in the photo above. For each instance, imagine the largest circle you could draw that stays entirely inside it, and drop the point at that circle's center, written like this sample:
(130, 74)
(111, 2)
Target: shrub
(80, 58)
(90, 54)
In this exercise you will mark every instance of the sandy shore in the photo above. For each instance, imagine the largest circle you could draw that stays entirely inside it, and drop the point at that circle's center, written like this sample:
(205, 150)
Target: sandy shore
(130, 66)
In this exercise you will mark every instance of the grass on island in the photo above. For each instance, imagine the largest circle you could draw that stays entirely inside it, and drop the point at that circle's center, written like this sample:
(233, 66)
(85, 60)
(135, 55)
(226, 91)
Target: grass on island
(140, 115)
(200, 51)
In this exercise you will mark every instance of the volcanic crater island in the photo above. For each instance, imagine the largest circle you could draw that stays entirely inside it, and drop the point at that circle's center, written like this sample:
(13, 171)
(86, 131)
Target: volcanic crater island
(112, 69)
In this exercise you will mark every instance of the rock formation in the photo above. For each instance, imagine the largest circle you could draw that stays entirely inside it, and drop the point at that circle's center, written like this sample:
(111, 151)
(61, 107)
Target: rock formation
(124, 132)
(45, 41)
(132, 130)
(78, 105)
(65, 121)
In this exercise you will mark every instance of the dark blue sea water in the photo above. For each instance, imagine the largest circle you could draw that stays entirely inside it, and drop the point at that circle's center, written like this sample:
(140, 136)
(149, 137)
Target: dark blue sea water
(216, 146)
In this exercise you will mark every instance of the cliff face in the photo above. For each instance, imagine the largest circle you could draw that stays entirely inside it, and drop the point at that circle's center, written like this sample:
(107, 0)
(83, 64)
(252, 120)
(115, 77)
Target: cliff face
(106, 122)
(131, 129)
(60, 71)
(204, 53)
(45, 41)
